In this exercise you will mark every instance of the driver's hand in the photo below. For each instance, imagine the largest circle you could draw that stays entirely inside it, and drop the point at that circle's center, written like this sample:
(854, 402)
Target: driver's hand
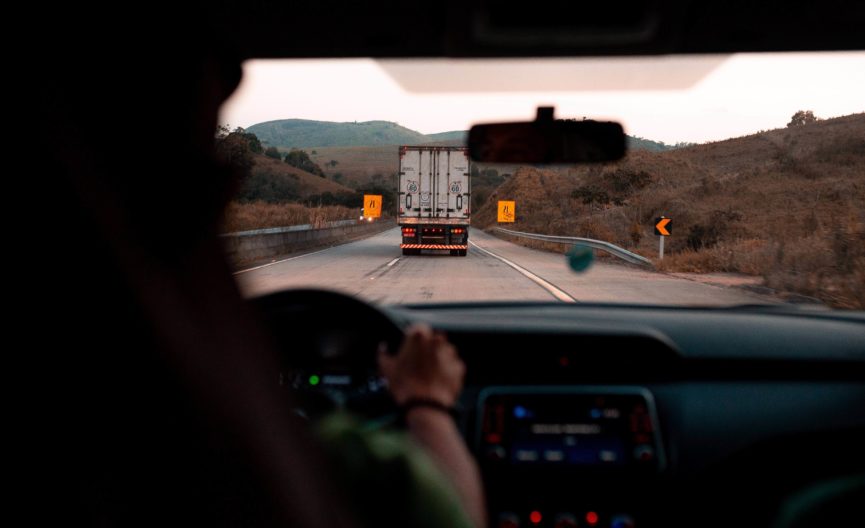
(427, 366)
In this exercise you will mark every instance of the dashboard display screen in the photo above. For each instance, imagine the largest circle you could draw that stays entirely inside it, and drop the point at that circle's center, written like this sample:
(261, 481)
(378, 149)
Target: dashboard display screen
(521, 427)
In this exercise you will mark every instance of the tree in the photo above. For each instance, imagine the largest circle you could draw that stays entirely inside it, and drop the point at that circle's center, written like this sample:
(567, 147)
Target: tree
(301, 160)
(236, 148)
(802, 117)
(272, 152)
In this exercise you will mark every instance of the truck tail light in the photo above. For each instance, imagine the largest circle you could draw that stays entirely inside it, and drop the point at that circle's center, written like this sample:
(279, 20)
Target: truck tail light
(457, 231)
(408, 231)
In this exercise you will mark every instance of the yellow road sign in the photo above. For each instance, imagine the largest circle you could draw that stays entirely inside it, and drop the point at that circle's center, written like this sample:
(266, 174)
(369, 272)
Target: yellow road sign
(663, 226)
(372, 205)
(507, 211)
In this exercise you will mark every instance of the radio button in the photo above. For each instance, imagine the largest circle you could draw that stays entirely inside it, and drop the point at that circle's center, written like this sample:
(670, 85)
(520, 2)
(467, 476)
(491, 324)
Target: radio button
(644, 453)
(508, 520)
(622, 521)
(496, 453)
(565, 520)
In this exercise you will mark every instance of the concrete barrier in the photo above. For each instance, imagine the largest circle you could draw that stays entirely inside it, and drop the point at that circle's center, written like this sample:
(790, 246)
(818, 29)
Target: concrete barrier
(245, 247)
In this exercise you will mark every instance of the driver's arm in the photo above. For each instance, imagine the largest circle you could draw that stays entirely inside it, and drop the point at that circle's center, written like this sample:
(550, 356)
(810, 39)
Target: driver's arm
(427, 367)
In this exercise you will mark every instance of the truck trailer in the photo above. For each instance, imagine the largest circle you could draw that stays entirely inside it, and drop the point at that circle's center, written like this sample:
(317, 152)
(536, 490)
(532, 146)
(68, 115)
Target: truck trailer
(434, 199)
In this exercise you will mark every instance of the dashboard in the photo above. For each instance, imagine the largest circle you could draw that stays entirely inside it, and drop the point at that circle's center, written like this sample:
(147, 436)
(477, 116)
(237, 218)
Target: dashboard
(619, 416)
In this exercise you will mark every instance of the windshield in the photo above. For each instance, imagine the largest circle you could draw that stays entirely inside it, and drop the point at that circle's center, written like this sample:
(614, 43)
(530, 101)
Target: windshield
(744, 181)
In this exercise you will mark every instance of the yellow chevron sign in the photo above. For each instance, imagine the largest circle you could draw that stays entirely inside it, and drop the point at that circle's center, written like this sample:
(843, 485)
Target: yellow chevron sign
(663, 226)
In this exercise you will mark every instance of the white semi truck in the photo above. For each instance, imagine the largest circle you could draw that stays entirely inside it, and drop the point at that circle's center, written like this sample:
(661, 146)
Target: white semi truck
(434, 199)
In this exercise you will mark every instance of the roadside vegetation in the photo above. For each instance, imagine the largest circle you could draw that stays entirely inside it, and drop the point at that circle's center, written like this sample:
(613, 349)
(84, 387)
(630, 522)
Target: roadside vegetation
(274, 190)
(258, 215)
(787, 205)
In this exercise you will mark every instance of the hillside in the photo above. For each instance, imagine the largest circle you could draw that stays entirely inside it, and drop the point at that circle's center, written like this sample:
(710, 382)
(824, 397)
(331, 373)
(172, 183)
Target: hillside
(275, 181)
(356, 165)
(787, 204)
(457, 137)
(302, 133)
(305, 133)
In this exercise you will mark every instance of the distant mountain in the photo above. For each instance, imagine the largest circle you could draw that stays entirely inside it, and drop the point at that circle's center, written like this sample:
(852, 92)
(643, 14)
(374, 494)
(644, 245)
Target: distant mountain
(305, 133)
(456, 136)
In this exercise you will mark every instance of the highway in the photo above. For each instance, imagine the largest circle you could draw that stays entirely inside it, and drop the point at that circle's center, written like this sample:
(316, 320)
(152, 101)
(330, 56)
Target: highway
(494, 270)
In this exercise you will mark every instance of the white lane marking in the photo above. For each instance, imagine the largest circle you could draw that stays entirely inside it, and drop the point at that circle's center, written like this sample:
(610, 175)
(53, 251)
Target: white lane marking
(555, 292)
(280, 261)
(392, 262)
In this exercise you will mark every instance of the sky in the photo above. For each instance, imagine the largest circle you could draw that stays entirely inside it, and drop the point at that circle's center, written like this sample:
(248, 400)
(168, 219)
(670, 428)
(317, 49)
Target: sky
(669, 98)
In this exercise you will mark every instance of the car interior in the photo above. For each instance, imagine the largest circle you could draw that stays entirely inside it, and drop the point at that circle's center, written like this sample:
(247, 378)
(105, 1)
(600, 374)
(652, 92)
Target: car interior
(734, 416)
(718, 416)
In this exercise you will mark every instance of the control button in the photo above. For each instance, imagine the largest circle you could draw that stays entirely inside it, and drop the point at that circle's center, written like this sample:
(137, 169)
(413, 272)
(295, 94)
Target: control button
(535, 517)
(565, 520)
(509, 520)
(622, 521)
(607, 455)
(644, 453)
(592, 518)
(554, 455)
(496, 453)
(527, 455)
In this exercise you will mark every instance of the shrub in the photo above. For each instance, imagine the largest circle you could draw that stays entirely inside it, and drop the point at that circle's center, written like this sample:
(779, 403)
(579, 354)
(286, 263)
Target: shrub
(802, 117)
(301, 160)
(269, 188)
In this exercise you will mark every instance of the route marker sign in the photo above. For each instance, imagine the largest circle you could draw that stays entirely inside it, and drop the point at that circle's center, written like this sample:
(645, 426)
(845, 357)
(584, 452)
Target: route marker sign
(507, 211)
(663, 226)
(372, 205)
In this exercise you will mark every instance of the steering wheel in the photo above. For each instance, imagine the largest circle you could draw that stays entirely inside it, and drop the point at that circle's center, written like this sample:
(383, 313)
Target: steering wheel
(328, 344)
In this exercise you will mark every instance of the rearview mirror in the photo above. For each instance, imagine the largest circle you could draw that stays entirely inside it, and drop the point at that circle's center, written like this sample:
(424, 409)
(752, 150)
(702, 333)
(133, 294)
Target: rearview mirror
(547, 140)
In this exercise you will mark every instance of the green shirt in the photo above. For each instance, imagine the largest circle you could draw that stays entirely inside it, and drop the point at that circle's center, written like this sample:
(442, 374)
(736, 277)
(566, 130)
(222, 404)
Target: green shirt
(389, 479)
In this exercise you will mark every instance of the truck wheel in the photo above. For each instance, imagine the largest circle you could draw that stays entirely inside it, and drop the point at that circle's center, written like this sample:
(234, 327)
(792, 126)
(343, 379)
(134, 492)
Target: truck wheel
(462, 252)
(407, 251)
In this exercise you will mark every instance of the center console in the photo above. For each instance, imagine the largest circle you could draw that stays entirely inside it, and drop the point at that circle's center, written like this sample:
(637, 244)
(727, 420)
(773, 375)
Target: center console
(565, 457)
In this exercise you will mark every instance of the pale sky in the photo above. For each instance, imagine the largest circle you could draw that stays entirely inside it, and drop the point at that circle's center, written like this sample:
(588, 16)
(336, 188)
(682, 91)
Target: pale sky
(670, 99)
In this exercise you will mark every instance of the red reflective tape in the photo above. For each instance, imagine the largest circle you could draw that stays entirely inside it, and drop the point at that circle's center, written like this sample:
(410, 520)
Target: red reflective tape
(432, 246)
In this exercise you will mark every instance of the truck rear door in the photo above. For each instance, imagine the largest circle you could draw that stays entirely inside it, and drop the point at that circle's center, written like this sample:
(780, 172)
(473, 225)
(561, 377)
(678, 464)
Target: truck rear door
(455, 173)
(434, 182)
(415, 178)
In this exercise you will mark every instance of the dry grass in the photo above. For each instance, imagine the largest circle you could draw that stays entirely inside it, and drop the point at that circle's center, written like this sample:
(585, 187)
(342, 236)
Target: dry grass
(259, 215)
(787, 205)
(308, 184)
(357, 164)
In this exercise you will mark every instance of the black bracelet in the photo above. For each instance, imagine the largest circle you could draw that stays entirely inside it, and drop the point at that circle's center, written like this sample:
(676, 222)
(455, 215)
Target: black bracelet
(413, 403)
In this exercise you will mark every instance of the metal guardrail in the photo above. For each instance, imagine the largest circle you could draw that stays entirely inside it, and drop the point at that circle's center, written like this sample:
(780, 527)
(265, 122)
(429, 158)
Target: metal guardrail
(290, 229)
(612, 249)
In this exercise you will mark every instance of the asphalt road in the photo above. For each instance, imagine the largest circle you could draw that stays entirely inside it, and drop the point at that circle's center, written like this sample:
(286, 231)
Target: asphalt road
(375, 270)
